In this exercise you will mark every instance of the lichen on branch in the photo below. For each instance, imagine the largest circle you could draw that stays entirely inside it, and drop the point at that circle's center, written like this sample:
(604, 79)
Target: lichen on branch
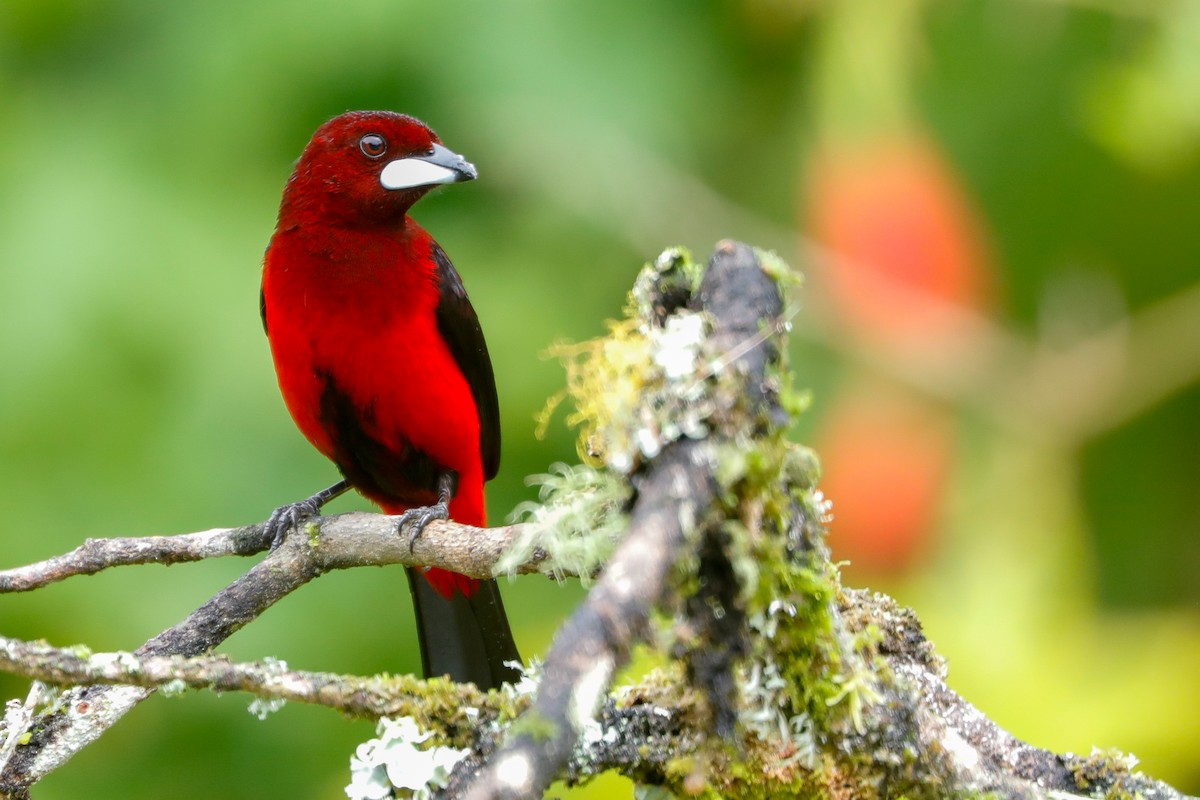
(693, 381)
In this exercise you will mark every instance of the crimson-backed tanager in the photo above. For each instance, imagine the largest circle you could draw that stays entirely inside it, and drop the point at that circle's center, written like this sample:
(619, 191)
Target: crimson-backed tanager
(382, 363)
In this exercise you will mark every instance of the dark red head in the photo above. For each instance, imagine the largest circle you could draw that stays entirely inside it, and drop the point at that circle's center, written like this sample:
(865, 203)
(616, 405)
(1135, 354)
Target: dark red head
(368, 167)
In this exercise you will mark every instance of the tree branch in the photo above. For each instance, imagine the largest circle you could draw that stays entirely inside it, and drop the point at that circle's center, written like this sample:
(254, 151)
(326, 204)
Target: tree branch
(354, 696)
(97, 555)
(596, 640)
(652, 725)
(327, 543)
(345, 540)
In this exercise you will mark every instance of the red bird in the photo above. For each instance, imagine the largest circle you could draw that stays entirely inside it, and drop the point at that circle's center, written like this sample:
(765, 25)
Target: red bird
(383, 365)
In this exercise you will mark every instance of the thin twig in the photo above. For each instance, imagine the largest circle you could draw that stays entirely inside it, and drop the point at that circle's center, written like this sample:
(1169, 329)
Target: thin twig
(96, 555)
(354, 696)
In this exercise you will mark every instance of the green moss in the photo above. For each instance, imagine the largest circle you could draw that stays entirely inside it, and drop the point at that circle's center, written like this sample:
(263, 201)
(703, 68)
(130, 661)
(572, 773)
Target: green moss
(1106, 770)
(680, 768)
(630, 389)
(534, 726)
(313, 530)
(449, 710)
(784, 276)
(810, 683)
(644, 384)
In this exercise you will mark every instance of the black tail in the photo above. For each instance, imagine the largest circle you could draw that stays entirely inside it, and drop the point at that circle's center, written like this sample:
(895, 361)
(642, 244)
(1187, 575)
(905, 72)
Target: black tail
(467, 638)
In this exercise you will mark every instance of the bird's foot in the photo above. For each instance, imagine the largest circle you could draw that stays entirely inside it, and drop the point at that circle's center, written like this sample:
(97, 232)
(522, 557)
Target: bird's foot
(415, 519)
(285, 518)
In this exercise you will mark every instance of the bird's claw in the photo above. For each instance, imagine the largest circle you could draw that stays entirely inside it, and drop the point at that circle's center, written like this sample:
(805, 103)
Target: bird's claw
(286, 518)
(415, 519)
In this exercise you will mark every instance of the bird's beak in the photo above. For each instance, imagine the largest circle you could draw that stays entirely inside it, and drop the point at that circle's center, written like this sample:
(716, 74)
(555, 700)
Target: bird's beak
(441, 166)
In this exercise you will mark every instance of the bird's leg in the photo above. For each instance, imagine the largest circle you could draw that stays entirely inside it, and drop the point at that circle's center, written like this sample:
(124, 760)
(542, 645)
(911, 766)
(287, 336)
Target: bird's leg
(417, 518)
(284, 518)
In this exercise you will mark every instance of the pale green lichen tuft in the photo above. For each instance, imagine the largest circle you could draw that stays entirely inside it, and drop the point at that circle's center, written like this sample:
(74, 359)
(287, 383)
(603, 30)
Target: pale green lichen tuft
(263, 707)
(858, 691)
(634, 391)
(643, 385)
(575, 523)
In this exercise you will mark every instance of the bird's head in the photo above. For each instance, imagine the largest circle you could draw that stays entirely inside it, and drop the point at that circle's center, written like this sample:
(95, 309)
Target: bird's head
(369, 167)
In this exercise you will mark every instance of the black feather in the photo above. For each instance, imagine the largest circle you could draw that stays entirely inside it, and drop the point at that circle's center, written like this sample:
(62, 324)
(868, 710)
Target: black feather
(467, 638)
(262, 307)
(381, 472)
(460, 329)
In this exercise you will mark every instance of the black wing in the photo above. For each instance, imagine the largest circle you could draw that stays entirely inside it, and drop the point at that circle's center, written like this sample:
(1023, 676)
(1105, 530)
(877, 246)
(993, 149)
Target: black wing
(262, 307)
(459, 326)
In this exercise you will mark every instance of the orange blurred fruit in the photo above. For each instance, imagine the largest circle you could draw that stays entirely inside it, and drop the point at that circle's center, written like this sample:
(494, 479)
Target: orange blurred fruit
(901, 232)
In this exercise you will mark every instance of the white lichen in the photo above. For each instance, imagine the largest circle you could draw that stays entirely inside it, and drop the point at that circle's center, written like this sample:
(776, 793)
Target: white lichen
(392, 764)
(823, 506)
(275, 670)
(765, 700)
(767, 623)
(678, 345)
(263, 707)
(117, 663)
(527, 685)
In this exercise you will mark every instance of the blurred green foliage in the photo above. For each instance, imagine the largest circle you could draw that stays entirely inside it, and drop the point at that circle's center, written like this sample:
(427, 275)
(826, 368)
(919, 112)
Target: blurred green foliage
(143, 150)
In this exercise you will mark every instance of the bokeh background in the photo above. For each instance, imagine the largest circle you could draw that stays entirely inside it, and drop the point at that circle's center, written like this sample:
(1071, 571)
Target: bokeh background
(996, 203)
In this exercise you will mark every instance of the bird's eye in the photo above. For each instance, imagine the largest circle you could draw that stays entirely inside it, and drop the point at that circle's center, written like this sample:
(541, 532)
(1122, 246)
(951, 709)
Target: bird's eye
(373, 145)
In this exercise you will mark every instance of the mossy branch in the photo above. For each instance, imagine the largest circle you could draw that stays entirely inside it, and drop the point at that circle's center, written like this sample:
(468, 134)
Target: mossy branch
(354, 696)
